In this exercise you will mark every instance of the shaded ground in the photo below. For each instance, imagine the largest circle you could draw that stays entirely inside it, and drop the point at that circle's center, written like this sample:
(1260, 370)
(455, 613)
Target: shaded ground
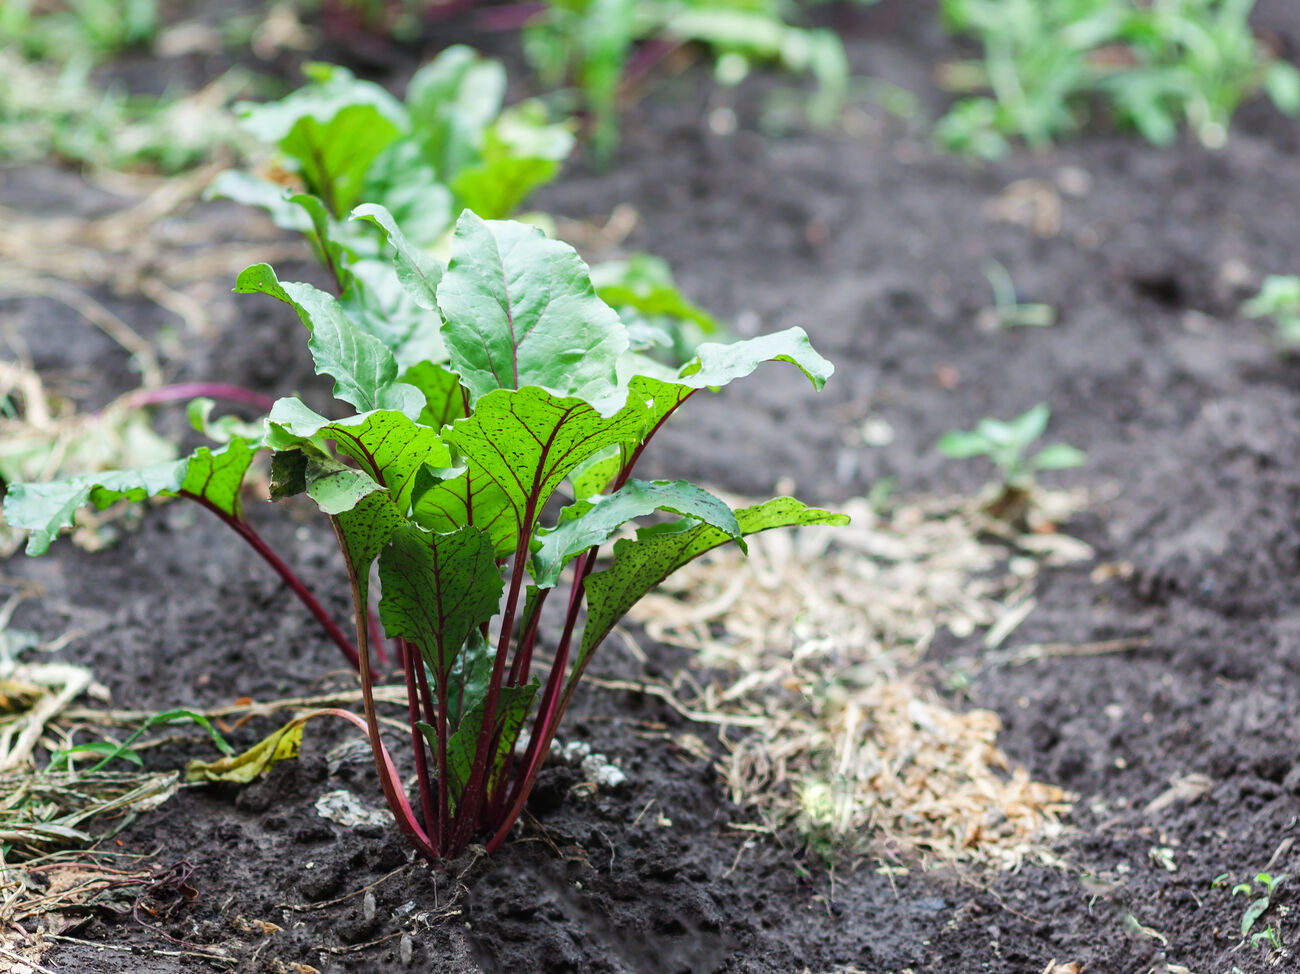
(875, 245)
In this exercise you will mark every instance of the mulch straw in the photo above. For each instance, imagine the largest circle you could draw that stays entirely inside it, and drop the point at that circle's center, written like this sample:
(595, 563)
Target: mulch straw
(815, 645)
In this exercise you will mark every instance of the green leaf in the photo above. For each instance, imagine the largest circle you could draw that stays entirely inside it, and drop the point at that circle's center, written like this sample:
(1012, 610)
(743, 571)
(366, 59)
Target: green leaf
(224, 428)
(645, 283)
(418, 273)
(1030, 425)
(405, 181)
(443, 504)
(325, 234)
(1253, 913)
(45, 508)
(600, 519)
(288, 474)
(241, 769)
(526, 442)
(1059, 456)
(363, 368)
(330, 131)
(363, 532)
(1282, 82)
(468, 678)
(451, 102)
(502, 180)
(513, 705)
(467, 688)
(641, 564)
(715, 365)
(263, 194)
(444, 400)
(388, 446)
(594, 474)
(961, 445)
(997, 434)
(436, 589)
(334, 486)
(216, 476)
(379, 305)
(520, 310)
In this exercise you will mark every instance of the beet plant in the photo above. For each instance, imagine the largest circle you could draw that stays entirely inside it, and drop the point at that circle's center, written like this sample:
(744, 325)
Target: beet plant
(479, 484)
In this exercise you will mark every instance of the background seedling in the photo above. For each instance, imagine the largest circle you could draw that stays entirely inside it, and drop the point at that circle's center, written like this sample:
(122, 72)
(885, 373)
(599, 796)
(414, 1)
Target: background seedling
(1279, 299)
(1008, 310)
(1258, 906)
(602, 45)
(1007, 444)
(1152, 65)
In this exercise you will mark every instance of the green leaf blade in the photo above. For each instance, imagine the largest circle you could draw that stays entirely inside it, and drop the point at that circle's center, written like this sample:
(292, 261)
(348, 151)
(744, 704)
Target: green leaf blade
(600, 519)
(520, 310)
(641, 564)
(526, 442)
(417, 272)
(436, 589)
(363, 368)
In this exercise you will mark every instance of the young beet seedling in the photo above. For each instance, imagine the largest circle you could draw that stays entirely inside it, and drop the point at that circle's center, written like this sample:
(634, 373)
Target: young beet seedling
(1279, 299)
(1007, 445)
(1269, 937)
(445, 475)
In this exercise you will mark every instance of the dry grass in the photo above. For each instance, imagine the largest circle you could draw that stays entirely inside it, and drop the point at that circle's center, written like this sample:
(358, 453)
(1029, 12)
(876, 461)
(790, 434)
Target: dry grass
(815, 643)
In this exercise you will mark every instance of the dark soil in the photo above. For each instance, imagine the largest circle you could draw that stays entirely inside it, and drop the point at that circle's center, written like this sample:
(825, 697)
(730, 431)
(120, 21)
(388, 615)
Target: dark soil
(874, 243)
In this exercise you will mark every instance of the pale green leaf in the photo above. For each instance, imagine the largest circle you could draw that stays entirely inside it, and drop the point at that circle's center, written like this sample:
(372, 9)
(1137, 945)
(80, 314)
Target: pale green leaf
(600, 519)
(417, 271)
(214, 477)
(363, 368)
(961, 445)
(1059, 456)
(520, 310)
(641, 564)
(388, 446)
(330, 131)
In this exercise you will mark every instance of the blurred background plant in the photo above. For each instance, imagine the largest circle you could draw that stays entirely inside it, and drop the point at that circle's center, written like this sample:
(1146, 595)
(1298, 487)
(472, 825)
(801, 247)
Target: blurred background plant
(602, 46)
(53, 105)
(1279, 299)
(1152, 65)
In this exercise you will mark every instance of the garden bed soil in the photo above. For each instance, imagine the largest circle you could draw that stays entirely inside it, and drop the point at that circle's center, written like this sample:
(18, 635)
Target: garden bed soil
(875, 244)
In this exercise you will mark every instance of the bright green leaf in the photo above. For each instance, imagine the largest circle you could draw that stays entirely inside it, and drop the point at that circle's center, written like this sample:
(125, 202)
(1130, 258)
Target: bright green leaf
(526, 442)
(444, 399)
(436, 589)
(495, 187)
(387, 445)
(1059, 456)
(961, 445)
(215, 477)
(330, 131)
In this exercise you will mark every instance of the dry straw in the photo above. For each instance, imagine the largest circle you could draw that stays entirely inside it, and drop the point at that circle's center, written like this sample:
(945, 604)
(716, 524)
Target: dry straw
(815, 646)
